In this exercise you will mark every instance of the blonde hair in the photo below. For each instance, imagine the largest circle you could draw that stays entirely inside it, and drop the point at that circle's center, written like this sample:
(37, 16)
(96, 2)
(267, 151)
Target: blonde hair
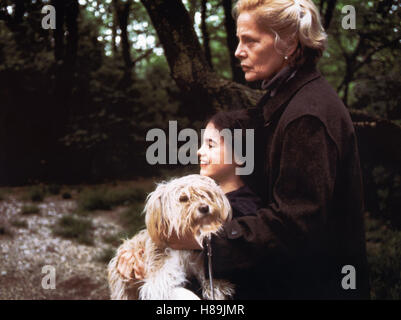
(291, 22)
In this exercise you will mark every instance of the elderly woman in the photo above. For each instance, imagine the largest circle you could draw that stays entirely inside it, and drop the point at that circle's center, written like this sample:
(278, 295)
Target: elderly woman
(307, 241)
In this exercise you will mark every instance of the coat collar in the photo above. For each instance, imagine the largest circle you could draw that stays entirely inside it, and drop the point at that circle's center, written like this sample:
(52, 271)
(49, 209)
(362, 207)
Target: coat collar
(271, 105)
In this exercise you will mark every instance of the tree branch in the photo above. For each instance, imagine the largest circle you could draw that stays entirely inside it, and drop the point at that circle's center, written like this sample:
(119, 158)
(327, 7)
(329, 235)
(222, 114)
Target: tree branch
(329, 13)
(376, 50)
(205, 34)
(232, 42)
(144, 55)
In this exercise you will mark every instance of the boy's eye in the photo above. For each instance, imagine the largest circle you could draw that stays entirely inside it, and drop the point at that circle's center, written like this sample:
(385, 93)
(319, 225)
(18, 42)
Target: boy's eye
(210, 144)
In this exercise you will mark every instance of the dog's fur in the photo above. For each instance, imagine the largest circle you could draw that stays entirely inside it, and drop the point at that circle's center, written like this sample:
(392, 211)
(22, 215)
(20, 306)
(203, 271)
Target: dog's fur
(193, 204)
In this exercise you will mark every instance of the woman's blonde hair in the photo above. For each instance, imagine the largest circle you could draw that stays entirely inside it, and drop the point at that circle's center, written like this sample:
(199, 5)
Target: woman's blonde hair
(292, 22)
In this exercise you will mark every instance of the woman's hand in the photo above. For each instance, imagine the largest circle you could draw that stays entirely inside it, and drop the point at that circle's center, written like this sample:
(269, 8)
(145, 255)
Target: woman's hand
(130, 264)
(186, 242)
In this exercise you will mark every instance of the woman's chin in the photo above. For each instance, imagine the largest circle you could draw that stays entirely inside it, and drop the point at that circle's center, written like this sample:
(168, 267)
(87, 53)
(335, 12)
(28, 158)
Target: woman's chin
(250, 76)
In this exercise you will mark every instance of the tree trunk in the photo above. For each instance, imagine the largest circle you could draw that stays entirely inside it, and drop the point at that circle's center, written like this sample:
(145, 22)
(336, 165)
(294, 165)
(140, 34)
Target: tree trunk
(65, 51)
(57, 114)
(232, 42)
(123, 11)
(328, 15)
(193, 4)
(114, 32)
(188, 65)
(205, 35)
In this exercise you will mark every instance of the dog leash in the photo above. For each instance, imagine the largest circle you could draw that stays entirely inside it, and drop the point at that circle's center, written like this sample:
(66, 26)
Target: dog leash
(209, 256)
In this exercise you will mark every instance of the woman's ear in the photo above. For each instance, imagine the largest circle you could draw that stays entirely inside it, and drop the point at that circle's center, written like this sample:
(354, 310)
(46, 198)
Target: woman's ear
(292, 47)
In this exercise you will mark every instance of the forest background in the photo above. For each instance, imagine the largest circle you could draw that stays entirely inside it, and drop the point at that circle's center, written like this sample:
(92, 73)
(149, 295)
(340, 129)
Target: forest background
(76, 102)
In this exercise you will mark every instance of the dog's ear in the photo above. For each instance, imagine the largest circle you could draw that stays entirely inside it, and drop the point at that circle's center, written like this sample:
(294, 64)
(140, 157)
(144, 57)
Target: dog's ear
(155, 223)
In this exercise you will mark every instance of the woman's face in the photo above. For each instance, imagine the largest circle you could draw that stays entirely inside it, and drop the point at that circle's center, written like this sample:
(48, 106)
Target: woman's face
(259, 59)
(211, 154)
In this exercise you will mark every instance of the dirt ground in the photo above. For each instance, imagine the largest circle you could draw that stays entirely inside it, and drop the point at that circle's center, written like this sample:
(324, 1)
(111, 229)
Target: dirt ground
(24, 251)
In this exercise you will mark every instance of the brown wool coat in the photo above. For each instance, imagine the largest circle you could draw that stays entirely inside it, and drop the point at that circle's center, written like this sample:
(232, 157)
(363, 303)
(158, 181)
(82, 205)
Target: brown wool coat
(307, 172)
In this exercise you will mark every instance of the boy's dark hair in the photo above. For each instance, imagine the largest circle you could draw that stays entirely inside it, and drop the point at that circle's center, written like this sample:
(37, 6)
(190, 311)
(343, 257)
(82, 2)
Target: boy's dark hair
(233, 119)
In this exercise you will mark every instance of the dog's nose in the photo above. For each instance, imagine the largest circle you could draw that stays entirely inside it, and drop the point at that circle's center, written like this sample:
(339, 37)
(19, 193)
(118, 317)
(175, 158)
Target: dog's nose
(204, 209)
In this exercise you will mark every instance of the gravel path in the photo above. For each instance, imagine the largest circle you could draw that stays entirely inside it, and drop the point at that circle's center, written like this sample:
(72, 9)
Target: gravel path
(25, 251)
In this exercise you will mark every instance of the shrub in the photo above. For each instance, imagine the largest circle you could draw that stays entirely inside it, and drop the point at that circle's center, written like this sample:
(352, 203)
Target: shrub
(91, 200)
(19, 223)
(102, 199)
(75, 228)
(132, 219)
(35, 194)
(384, 258)
(3, 193)
(118, 197)
(114, 239)
(66, 195)
(30, 209)
(54, 189)
(106, 255)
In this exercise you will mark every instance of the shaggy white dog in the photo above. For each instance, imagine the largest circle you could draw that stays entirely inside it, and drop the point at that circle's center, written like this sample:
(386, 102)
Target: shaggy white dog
(193, 203)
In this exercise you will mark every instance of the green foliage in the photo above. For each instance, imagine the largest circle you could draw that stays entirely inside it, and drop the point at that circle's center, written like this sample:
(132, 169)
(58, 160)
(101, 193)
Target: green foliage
(387, 188)
(132, 220)
(384, 258)
(106, 255)
(92, 200)
(4, 192)
(106, 199)
(75, 228)
(53, 189)
(115, 239)
(378, 93)
(19, 223)
(362, 59)
(30, 209)
(35, 194)
(126, 196)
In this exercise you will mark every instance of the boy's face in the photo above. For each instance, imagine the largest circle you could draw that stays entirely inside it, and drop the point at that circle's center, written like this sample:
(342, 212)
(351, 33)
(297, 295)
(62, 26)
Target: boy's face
(211, 154)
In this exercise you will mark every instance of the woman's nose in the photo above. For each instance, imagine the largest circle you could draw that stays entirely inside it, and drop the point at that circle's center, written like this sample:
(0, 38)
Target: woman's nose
(239, 52)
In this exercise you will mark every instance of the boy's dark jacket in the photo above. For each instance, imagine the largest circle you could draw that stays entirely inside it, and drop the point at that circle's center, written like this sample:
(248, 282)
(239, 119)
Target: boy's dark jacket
(310, 226)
